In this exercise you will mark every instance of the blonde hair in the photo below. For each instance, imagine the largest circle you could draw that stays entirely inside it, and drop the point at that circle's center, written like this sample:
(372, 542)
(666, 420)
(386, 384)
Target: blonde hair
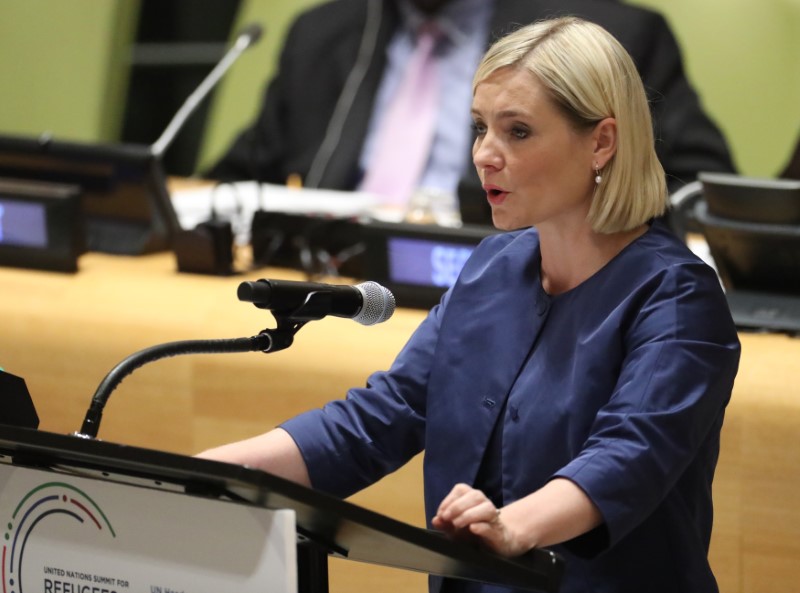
(590, 77)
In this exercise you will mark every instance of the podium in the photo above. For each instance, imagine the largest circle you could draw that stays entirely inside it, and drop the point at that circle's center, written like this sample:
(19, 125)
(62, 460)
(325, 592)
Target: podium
(325, 525)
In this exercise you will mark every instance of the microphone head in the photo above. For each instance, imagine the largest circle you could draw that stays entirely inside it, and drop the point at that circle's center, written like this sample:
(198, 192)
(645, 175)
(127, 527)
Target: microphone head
(378, 303)
(252, 32)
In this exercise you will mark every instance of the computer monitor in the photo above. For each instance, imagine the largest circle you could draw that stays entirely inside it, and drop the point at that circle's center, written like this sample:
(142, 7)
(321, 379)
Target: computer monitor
(125, 204)
(752, 227)
(751, 199)
(752, 256)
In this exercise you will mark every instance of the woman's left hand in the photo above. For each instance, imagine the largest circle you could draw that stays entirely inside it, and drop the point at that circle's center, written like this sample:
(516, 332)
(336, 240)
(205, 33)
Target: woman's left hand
(468, 513)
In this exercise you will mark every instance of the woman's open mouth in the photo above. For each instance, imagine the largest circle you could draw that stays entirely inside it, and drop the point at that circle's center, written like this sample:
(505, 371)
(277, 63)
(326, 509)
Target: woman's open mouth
(494, 194)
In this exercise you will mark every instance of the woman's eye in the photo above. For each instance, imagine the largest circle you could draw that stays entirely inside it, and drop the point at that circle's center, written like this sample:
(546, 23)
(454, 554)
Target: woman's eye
(519, 132)
(478, 129)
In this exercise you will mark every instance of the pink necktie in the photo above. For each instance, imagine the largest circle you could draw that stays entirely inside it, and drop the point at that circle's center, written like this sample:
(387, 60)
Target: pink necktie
(403, 143)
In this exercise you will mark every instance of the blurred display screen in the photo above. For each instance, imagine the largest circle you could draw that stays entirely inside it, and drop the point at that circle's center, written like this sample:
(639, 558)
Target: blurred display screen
(23, 223)
(424, 262)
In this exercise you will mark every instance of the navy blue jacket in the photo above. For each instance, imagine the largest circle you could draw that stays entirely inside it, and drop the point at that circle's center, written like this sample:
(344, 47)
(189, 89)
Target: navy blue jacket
(619, 385)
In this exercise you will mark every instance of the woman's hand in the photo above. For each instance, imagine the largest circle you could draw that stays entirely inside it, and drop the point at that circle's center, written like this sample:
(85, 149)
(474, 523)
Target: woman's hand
(557, 512)
(467, 513)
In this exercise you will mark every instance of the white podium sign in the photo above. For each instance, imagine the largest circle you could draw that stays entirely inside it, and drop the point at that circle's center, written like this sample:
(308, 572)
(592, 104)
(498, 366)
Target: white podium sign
(67, 534)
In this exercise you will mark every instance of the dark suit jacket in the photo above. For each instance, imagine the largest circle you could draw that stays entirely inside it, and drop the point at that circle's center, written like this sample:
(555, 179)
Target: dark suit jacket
(792, 168)
(321, 50)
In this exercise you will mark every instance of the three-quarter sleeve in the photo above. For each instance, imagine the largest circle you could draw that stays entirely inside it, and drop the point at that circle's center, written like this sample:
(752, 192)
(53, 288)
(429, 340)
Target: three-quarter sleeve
(667, 407)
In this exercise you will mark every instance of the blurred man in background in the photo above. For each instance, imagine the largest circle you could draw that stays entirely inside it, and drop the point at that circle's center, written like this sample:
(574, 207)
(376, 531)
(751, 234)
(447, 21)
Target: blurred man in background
(330, 116)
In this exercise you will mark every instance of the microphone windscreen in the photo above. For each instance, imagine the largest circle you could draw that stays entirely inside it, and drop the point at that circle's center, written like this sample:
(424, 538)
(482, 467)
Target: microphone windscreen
(378, 303)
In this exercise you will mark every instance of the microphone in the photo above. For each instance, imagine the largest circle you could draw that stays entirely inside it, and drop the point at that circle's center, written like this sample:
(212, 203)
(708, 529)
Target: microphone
(367, 303)
(248, 37)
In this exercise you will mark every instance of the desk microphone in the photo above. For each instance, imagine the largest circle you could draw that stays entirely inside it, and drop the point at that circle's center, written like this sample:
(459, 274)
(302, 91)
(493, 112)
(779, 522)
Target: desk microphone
(248, 37)
(207, 249)
(367, 303)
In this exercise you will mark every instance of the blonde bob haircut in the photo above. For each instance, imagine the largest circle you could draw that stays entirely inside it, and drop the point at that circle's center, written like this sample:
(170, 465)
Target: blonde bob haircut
(590, 77)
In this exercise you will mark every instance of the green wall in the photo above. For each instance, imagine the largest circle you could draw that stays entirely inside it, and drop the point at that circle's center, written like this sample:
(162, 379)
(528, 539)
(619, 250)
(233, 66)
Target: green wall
(744, 58)
(64, 66)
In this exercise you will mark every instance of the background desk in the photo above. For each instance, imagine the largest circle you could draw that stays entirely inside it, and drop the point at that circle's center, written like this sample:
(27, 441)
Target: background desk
(64, 333)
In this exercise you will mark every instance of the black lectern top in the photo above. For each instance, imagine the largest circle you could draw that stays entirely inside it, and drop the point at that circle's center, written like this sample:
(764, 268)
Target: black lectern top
(343, 529)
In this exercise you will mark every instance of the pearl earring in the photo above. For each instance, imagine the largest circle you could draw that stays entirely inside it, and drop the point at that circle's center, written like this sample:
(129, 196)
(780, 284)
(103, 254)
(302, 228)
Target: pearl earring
(597, 177)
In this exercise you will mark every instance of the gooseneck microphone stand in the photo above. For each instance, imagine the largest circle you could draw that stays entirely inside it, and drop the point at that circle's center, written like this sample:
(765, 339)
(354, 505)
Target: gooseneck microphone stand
(91, 423)
(316, 306)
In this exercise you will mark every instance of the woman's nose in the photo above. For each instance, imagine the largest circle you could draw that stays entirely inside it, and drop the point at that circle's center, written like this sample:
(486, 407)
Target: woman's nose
(485, 153)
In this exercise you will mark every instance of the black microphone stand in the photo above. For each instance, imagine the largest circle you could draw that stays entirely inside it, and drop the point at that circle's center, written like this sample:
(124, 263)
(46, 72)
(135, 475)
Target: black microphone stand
(316, 306)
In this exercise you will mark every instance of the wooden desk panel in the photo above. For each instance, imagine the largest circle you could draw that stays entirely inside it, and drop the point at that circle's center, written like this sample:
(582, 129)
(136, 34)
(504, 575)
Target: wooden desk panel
(756, 541)
(64, 333)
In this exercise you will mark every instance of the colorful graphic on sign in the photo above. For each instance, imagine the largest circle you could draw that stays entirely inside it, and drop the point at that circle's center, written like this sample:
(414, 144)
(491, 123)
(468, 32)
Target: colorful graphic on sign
(75, 534)
(46, 500)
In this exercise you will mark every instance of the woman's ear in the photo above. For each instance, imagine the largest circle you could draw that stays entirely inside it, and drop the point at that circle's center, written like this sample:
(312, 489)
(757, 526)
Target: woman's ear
(605, 141)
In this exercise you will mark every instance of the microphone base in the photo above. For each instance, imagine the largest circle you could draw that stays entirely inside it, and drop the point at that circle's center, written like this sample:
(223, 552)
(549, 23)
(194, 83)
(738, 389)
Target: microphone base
(208, 249)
